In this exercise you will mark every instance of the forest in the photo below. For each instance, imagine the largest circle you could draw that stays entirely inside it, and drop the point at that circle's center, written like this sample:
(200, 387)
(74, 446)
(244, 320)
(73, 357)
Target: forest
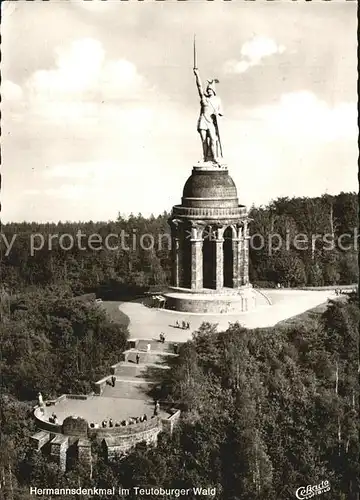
(265, 411)
(53, 343)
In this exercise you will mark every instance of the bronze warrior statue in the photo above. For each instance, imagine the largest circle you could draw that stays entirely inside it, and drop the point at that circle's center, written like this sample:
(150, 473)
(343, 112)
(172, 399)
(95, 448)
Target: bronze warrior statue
(208, 122)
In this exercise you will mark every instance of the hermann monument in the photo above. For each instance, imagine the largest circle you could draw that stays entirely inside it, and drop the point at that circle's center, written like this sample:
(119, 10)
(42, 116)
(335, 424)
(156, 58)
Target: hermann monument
(209, 229)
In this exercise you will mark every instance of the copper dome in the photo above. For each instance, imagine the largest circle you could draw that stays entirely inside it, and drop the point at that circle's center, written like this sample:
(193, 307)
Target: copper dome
(210, 189)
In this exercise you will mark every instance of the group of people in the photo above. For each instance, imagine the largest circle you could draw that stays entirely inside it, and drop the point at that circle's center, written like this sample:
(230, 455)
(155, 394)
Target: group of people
(110, 423)
(135, 420)
(339, 291)
(185, 325)
(53, 419)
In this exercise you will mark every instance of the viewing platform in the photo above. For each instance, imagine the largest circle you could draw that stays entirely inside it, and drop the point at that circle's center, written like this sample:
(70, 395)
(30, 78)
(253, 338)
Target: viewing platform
(120, 413)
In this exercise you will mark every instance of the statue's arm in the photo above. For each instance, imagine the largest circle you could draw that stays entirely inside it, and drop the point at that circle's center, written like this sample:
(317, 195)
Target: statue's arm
(198, 83)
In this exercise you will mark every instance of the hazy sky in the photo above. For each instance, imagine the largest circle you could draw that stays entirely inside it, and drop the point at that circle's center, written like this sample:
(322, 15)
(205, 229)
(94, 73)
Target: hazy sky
(100, 104)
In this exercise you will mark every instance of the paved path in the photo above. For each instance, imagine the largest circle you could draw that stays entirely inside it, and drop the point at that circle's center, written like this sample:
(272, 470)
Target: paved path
(148, 323)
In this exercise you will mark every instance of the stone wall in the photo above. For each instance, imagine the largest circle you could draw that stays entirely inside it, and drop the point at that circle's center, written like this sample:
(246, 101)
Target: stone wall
(40, 439)
(120, 445)
(75, 426)
(125, 430)
(212, 304)
(44, 424)
(59, 446)
(99, 386)
(120, 440)
(84, 454)
(168, 424)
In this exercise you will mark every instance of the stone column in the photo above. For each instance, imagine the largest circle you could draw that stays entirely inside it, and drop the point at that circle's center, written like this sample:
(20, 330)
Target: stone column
(182, 257)
(176, 261)
(219, 259)
(196, 264)
(246, 254)
(175, 252)
(240, 260)
(236, 261)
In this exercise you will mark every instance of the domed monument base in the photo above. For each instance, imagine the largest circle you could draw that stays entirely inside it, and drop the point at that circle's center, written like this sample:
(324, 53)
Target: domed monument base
(210, 246)
(224, 301)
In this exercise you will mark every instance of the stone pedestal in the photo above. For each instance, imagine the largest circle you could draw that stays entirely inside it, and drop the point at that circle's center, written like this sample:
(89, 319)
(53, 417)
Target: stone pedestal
(209, 208)
(223, 301)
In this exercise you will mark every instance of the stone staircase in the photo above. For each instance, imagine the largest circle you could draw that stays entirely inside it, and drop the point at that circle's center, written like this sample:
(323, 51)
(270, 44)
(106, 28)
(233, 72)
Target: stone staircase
(134, 392)
(135, 381)
(133, 371)
(151, 357)
(128, 389)
(155, 345)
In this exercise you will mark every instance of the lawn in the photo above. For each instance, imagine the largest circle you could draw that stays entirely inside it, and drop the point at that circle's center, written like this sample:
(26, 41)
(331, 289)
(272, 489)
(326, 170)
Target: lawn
(307, 316)
(112, 309)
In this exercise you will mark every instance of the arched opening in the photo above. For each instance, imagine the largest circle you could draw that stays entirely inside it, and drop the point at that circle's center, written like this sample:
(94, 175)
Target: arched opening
(228, 258)
(209, 259)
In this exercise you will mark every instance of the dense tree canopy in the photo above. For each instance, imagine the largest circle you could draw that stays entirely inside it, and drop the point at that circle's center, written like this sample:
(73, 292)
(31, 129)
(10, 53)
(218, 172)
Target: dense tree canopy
(264, 411)
(73, 338)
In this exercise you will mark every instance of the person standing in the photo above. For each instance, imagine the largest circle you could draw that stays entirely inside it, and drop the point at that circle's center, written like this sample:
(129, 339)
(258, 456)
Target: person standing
(156, 408)
(137, 357)
(40, 399)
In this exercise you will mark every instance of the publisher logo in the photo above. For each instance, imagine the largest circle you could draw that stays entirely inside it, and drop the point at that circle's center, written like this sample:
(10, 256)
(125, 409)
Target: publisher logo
(305, 492)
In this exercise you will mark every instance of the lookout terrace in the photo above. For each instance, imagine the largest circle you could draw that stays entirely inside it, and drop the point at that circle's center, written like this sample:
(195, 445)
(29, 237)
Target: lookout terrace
(120, 413)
